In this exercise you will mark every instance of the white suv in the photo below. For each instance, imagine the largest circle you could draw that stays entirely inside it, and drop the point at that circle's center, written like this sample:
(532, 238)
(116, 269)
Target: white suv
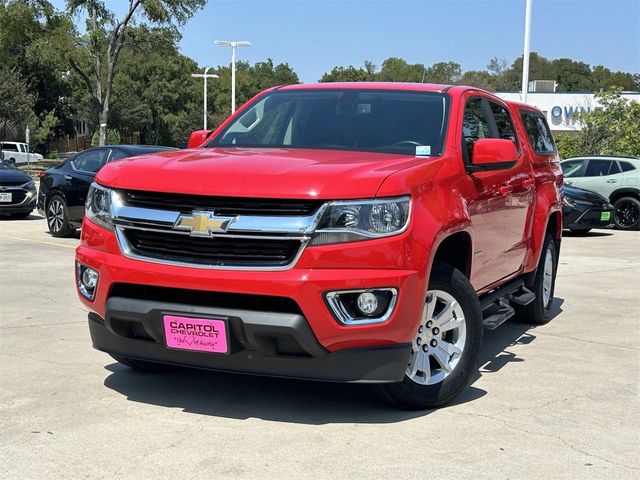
(16, 152)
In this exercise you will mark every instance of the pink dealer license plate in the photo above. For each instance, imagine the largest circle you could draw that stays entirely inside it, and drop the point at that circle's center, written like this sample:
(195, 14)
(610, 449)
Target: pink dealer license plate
(199, 334)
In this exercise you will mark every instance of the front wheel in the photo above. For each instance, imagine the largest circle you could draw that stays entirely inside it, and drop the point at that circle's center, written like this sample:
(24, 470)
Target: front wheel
(626, 214)
(446, 347)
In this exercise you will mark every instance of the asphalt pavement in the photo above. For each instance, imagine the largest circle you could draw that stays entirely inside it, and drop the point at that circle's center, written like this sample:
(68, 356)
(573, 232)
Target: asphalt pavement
(560, 401)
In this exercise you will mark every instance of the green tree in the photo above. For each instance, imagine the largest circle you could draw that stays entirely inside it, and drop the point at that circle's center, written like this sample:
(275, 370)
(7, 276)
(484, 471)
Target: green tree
(396, 69)
(95, 56)
(613, 129)
(479, 79)
(571, 76)
(32, 35)
(366, 73)
(15, 101)
(443, 72)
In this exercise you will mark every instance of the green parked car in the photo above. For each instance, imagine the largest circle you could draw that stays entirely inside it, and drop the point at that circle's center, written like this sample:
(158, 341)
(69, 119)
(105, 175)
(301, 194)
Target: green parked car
(615, 178)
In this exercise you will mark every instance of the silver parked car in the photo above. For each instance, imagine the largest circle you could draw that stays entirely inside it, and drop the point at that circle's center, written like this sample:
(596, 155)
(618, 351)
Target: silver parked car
(615, 178)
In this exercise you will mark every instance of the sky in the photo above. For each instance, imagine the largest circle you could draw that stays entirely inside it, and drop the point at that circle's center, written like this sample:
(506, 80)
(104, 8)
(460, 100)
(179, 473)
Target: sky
(313, 36)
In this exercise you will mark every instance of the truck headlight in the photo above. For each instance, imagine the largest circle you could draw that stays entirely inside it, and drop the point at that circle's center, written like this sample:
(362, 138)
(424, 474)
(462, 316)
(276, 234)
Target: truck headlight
(352, 221)
(98, 206)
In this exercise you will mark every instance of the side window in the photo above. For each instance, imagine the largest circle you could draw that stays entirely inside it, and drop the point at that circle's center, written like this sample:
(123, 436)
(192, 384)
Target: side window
(504, 123)
(474, 125)
(538, 132)
(117, 154)
(597, 168)
(90, 161)
(626, 166)
(10, 147)
(572, 168)
(614, 168)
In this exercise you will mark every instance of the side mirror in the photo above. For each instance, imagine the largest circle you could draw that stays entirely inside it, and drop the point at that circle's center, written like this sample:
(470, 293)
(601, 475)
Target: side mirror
(197, 138)
(492, 154)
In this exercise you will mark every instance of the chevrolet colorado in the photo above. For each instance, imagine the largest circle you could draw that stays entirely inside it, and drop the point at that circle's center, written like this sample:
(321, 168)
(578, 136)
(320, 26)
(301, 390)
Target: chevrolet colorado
(349, 232)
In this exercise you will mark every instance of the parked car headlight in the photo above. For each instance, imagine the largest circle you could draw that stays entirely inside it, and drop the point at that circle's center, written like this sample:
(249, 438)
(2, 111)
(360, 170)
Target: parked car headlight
(30, 185)
(98, 206)
(352, 221)
(568, 201)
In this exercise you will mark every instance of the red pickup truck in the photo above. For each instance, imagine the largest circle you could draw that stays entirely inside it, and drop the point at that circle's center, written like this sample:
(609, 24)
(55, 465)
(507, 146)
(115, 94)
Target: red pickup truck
(348, 232)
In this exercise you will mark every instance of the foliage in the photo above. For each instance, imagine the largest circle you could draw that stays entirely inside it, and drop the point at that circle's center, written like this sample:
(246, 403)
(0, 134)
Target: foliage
(44, 129)
(613, 129)
(569, 75)
(113, 138)
(95, 55)
(32, 35)
(15, 101)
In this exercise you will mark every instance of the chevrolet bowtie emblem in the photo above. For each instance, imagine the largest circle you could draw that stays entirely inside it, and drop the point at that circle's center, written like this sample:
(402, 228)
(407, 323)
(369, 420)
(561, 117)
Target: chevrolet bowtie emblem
(203, 224)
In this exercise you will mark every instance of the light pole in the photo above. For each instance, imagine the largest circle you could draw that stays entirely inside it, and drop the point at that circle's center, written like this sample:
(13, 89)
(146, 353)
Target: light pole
(233, 46)
(527, 48)
(205, 75)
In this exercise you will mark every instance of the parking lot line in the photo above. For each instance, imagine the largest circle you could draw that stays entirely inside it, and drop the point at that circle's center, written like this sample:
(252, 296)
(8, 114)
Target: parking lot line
(38, 241)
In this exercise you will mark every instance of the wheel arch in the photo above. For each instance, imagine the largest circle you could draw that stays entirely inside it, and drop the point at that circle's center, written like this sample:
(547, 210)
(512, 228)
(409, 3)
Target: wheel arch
(455, 249)
(624, 192)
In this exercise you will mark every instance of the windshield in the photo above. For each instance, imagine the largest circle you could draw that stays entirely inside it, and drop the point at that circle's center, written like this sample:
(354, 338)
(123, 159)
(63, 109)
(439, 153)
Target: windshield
(382, 121)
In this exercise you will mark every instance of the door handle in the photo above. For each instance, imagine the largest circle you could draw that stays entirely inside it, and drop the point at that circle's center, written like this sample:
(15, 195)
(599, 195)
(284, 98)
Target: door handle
(68, 177)
(528, 183)
(506, 190)
(612, 180)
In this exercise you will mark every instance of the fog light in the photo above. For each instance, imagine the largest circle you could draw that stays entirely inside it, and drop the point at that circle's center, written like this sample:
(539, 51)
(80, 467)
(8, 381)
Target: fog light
(87, 279)
(362, 307)
(367, 303)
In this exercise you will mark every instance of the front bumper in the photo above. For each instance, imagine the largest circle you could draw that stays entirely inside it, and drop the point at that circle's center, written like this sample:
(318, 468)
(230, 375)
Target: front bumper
(24, 206)
(261, 343)
(576, 218)
(328, 349)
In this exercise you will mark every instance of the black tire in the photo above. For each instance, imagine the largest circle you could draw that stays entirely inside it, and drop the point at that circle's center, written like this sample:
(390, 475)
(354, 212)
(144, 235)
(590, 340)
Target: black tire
(142, 365)
(57, 215)
(580, 231)
(626, 213)
(538, 312)
(410, 395)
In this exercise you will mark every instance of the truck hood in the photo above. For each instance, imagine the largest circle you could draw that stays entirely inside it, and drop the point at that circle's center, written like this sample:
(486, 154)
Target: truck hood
(259, 172)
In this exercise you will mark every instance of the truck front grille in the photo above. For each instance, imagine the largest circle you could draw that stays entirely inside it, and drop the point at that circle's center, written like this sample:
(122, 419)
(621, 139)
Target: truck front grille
(220, 205)
(232, 251)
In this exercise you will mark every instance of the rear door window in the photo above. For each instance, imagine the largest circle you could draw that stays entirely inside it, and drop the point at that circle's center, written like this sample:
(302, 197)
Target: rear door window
(90, 161)
(538, 132)
(597, 168)
(117, 154)
(504, 124)
(10, 147)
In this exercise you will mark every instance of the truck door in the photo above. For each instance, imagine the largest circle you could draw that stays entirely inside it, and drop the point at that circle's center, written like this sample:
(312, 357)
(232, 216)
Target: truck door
(521, 186)
(487, 203)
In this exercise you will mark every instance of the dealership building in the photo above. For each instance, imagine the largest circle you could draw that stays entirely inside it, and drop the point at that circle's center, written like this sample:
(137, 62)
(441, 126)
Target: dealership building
(561, 108)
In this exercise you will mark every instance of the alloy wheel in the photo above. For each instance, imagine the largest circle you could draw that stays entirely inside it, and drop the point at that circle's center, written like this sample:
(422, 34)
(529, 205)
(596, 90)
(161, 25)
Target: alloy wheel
(626, 213)
(440, 340)
(55, 215)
